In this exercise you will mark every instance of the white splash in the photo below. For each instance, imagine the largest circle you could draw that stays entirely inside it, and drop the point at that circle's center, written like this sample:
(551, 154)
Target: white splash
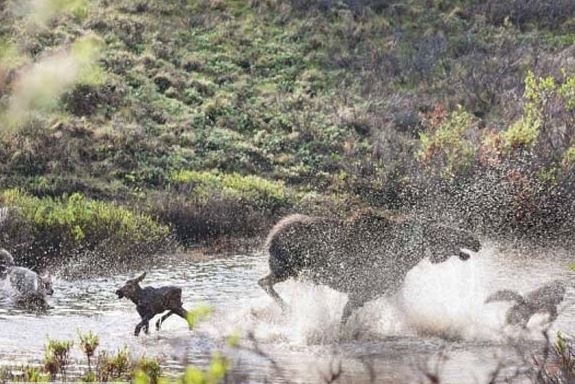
(447, 299)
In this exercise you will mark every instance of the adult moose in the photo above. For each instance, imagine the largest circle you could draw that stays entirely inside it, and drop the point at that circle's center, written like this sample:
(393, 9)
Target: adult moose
(365, 256)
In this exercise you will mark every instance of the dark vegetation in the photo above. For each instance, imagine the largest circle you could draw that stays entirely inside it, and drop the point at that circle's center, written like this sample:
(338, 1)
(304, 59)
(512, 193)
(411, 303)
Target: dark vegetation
(184, 122)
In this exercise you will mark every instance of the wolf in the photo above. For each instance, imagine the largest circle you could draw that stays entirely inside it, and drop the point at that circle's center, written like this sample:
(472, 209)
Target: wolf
(543, 299)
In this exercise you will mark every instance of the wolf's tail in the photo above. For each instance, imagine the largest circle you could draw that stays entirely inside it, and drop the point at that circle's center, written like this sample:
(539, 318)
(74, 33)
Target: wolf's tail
(505, 295)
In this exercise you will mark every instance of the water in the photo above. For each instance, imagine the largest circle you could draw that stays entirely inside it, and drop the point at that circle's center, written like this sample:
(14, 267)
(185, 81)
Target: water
(439, 312)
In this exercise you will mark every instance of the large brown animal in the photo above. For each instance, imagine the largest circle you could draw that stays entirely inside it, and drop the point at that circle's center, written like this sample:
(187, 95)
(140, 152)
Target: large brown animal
(366, 256)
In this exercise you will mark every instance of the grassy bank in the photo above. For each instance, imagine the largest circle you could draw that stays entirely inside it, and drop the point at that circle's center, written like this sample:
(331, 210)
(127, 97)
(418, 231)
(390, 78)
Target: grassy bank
(215, 117)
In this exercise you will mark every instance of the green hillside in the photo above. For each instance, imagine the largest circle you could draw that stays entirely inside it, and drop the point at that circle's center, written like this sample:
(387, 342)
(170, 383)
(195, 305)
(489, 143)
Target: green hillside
(213, 118)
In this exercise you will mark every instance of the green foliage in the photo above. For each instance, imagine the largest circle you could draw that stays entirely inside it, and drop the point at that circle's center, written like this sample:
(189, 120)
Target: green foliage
(449, 142)
(86, 51)
(251, 190)
(35, 375)
(10, 57)
(524, 133)
(521, 134)
(42, 12)
(147, 368)
(569, 157)
(41, 85)
(113, 366)
(548, 105)
(567, 91)
(89, 341)
(323, 96)
(74, 222)
(197, 314)
(56, 357)
(213, 375)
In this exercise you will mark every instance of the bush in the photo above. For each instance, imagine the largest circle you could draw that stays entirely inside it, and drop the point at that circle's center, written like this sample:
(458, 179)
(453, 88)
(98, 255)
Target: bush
(75, 225)
(207, 205)
(446, 141)
(254, 191)
(543, 13)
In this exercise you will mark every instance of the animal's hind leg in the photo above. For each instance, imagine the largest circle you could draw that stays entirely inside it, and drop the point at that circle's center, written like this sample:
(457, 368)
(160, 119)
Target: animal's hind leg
(162, 319)
(267, 283)
(354, 302)
(182, 313)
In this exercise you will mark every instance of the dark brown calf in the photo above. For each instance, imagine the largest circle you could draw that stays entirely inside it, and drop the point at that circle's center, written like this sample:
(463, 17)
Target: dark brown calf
(152, 301)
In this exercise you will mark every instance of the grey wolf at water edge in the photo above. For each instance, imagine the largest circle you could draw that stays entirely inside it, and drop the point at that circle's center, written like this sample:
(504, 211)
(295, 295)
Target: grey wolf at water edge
(544, 299)
(30, 290)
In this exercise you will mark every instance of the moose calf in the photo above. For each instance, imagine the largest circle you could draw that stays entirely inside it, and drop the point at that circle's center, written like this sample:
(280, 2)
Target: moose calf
(152, 301)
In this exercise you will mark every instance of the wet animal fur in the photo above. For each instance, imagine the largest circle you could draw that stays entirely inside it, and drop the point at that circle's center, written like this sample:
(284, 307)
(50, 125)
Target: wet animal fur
(543, 299)
(6, 262)
(32, 289)
(152, 301)
(365, 256)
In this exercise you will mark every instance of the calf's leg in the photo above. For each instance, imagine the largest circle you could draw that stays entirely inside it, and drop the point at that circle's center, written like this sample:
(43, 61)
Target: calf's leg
(144, 323)
(162, 319)
(180, 311)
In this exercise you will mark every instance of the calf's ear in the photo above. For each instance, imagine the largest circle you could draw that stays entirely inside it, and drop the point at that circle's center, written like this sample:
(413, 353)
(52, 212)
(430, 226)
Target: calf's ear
(141, 277)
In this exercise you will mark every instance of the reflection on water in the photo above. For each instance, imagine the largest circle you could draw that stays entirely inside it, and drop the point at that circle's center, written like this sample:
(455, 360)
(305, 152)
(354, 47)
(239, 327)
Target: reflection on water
(440, 309)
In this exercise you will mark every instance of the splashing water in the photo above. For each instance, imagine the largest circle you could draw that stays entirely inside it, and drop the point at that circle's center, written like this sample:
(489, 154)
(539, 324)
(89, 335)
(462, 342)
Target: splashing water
(448, 300)
(439, 305)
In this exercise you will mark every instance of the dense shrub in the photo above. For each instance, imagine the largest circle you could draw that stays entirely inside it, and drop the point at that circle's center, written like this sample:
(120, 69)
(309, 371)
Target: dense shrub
(208, 205)
(518, 180)
(58, 228)
(543, 13)
(262, 194)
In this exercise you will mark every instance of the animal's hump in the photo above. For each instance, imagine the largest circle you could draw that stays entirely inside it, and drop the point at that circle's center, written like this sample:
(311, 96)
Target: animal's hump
(287, 222)
(370, 216)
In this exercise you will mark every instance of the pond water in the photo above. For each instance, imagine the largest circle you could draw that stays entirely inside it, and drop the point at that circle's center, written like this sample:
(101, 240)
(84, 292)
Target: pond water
(440, 312)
